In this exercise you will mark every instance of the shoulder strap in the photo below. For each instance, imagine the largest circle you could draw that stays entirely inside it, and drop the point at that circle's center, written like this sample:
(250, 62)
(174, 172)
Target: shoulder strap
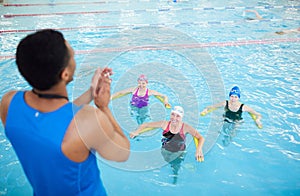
(136, 91)
(182, 132)
(167, 128)
(147, 92)
(226, 106)
(241, 107)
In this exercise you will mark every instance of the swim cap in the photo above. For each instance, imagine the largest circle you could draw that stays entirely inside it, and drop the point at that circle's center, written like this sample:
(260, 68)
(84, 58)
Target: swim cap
(235, 91)
(142, 78)
(178, 110)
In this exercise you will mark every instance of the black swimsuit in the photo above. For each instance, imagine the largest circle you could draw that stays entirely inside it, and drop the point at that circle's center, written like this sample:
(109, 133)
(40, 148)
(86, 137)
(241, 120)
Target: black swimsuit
(233, 116)
(173, 142)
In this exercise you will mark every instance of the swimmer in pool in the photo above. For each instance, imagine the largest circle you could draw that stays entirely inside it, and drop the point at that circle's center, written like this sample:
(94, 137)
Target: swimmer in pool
(288, 31)
(173, 141)
(282, 32)
(257, 15)
(140, 98)
(233, 113)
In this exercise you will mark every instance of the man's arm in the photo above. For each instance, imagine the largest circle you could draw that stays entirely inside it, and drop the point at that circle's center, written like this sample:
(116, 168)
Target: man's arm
(117, 145)
(88, 95)
(85, 98)
(97, 127)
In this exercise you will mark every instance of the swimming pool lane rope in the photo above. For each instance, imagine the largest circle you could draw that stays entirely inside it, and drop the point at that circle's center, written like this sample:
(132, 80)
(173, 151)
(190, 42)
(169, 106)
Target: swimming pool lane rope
(181, 46)
(164, 9)
(169, 24)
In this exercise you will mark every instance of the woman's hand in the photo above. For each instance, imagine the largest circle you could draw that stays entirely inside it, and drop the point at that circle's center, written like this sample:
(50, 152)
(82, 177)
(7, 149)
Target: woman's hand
(258, 123)
(133, 134)
(167, 105)
(204, 112)
(199, 155)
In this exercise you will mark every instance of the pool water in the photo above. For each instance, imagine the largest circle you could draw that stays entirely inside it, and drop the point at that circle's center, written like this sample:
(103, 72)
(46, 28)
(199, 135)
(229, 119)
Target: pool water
(194, 52)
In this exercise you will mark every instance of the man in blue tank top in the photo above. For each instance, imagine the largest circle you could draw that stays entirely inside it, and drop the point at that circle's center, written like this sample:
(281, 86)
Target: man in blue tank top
(54, 139)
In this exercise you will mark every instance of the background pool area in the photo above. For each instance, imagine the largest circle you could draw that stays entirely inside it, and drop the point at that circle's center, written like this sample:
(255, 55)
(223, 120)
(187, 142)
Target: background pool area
(194, 51)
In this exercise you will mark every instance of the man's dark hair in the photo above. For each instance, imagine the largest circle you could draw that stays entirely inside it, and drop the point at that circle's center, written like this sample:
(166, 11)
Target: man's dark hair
(41, 57)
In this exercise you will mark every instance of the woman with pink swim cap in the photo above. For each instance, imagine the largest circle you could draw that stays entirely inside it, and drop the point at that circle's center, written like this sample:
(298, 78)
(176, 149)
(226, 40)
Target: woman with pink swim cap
(140, 98)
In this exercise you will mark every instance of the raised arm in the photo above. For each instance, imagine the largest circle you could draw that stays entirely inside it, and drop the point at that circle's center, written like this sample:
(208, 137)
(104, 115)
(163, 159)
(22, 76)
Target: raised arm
(88, 95)
(257, 115)
(85, 98)
(99, 129)
(258, 16)
(199, 153)
(123, 93)
(164, 97)
(141, 128)
(212, 108)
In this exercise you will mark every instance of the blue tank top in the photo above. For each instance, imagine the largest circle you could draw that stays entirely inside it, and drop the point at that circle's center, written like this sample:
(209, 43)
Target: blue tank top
(36, 138)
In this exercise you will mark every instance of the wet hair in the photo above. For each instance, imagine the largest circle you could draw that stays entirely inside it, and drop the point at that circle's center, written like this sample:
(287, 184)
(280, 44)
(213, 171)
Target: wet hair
(41, 58)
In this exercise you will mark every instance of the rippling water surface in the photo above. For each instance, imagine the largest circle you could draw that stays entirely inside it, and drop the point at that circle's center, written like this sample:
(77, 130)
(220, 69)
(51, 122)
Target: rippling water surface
(193, 51)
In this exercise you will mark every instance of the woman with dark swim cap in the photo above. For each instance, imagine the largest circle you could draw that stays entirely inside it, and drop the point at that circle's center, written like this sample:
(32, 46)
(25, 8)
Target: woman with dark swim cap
(233, 113)
(234, 108)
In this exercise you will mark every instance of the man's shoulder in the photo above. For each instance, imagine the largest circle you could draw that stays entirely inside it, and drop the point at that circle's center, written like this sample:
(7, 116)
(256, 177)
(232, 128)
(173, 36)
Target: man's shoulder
(9, 95)
(6, 99)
